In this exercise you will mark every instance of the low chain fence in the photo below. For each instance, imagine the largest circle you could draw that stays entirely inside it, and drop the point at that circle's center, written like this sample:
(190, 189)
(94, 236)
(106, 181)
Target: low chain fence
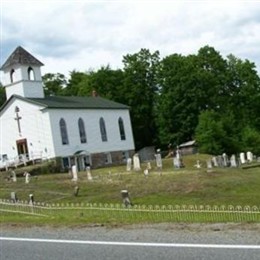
(121, 213)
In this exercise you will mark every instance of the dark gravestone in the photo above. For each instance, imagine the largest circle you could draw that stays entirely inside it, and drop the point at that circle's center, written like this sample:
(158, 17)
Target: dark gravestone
(126, 199)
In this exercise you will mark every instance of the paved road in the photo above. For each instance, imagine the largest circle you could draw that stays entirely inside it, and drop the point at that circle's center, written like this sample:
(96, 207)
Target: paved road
(132, 242)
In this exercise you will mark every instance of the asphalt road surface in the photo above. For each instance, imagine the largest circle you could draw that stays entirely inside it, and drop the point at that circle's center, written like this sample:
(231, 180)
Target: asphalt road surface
(164, 241)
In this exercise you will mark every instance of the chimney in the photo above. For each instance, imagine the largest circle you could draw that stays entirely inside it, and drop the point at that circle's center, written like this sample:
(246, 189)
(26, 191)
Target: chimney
(94, 93)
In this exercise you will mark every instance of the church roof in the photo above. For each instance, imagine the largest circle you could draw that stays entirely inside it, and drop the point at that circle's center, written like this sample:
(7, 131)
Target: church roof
(63, 102)
(78, 102)
(22, 57)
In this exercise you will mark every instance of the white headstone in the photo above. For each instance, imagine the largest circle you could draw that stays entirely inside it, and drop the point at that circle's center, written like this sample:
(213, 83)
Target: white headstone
(233, 162)
(158, 159)
(136, 160)
(176, 162)
(14, 176)
(146, 172)
(198, 165)
(27, 177)
(209, 164)
(225, 160)
(242, 158)
(214, 160)
(89, 176)
(249, 157)
(129, 164)
(74, 173)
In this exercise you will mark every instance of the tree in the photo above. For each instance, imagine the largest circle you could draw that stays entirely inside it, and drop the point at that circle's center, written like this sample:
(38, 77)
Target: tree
(139, 91)
(244, 91)
(210, 134)
(107, 82)
(251, 140)
(53, 84)
(77, 84)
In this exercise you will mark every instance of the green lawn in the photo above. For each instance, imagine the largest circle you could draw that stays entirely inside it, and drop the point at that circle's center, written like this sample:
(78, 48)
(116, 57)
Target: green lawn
(185, 186)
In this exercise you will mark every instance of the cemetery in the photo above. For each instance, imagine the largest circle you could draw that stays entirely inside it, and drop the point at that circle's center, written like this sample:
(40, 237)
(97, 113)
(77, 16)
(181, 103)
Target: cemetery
(181, 188)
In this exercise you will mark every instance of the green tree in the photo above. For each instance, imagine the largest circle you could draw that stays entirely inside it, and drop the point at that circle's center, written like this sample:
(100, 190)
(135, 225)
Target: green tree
(107, 82)
(210, 133)
(77, 84)
(139, 91)
(53, 84)
(244, 91)
(251, 140)
(190, 85)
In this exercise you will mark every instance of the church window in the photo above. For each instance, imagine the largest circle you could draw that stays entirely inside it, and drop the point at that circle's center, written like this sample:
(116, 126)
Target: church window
(63, 132)
(103, 131)
(121, 128)
(31, 74)
(82, 132)
(12, 75)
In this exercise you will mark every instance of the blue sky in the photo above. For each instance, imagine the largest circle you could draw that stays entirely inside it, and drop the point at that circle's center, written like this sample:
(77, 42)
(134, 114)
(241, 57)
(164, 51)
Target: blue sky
(81, 35)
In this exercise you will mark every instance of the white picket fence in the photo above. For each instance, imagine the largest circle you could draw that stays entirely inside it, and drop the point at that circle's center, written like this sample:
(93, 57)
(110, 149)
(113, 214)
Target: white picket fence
(157, 213)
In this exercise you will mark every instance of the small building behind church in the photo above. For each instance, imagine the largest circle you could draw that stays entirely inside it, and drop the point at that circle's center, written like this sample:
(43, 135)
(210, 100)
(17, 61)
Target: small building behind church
(86, 131)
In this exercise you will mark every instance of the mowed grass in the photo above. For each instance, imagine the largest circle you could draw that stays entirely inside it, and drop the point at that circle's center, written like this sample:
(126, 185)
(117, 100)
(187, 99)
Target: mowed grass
(185, 186)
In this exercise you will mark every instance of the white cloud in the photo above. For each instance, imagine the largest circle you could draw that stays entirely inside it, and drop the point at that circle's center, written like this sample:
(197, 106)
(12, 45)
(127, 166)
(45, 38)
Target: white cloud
(67, 35)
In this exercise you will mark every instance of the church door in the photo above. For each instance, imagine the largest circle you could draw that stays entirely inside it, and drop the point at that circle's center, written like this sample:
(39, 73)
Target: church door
(22, 147)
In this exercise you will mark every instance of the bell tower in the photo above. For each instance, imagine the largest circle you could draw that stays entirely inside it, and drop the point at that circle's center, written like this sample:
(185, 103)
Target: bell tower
(22, 73)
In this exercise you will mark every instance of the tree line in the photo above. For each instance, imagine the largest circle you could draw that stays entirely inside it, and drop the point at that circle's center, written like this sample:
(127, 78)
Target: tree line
(212, 99)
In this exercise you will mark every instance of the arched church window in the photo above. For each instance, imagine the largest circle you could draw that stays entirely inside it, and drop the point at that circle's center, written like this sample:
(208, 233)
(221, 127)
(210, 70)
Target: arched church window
(31, 75)
(12, 75)
(121, 128)
(82, 132)
(103, 131)
(63, 132)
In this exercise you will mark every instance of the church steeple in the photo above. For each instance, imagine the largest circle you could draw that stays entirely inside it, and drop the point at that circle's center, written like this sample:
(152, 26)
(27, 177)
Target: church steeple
(23, 75)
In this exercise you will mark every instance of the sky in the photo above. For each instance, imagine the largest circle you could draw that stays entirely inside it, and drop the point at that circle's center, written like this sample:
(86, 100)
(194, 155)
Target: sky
(84, 35)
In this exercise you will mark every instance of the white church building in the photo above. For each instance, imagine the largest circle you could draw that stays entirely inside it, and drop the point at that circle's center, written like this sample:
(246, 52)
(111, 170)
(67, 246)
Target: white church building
(76, 130)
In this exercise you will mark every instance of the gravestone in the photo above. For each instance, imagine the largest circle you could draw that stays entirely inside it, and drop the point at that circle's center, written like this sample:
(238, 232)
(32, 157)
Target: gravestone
(198, 164)
(158, 159)
(129, 164)
(14, 176)
(89, 176)
(233, 161)
(27, 177)
(31, 199)
(249, 156)
(146, 172)
(74, 171)
(126, 199)
(220, 161)
(13, 197)
(209, 165)
(242, 158)
(176, 162)
(136, 160)
(215, 162)
(225, 159)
